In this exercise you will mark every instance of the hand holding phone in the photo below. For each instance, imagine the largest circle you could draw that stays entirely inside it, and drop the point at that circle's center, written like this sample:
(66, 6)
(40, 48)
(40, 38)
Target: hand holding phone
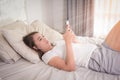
(67, 22)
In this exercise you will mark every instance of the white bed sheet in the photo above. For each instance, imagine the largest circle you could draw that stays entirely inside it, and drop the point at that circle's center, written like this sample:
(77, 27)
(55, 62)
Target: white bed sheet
(24, 70)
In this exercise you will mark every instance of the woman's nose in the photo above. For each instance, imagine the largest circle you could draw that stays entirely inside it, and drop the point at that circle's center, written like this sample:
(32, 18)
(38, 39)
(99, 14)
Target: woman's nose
(45, 38)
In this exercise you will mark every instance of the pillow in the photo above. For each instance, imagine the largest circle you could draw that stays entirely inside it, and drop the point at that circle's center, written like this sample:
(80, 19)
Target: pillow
(14, 37)
(7, 54)
(51, 34)
(113, 38)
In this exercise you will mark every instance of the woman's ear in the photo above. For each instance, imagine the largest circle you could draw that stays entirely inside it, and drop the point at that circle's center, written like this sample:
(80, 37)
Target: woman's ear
(34, 47)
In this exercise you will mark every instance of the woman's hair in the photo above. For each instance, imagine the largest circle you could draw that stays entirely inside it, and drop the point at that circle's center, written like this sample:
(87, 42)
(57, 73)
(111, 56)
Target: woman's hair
(28, 40)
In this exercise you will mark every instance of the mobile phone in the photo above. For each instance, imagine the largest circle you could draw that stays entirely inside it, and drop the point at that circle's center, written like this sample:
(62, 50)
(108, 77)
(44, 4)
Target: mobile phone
(67, 22)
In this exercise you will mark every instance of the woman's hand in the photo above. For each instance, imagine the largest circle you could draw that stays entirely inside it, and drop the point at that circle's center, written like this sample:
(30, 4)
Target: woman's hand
(68, 35)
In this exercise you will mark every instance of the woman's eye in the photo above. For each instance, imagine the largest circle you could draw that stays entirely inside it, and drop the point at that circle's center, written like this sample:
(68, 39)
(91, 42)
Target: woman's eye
(40, 39)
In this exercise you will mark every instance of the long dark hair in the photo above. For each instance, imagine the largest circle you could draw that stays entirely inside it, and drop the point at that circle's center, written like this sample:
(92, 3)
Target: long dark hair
(28, 40)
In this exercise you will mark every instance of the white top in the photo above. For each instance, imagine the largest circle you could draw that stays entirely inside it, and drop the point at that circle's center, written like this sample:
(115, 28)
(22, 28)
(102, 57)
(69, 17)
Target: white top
(82, 52)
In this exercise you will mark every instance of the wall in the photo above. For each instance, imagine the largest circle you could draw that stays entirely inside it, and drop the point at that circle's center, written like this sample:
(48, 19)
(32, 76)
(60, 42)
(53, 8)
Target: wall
(49, 11)
(11, 10)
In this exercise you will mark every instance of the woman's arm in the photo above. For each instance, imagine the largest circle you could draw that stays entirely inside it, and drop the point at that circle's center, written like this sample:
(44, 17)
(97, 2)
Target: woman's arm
(69, 63)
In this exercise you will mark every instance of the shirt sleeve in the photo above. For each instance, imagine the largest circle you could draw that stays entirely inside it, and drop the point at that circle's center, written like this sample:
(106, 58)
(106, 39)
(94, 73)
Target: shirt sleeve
(48, 56)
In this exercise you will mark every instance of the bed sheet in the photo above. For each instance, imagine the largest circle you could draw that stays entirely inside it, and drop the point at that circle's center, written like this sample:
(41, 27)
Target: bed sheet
(24, 70)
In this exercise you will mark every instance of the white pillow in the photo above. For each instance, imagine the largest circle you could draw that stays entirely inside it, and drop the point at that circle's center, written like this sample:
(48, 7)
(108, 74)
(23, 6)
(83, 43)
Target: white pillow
(7, 53)
(51, 34)
(14, 37)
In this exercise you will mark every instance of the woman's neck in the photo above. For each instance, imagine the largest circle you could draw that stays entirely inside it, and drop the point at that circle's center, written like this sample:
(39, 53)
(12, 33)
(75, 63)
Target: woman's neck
(49, 48)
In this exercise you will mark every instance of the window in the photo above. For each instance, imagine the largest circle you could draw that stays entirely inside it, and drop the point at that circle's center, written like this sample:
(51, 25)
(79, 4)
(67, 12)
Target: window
(107, 13)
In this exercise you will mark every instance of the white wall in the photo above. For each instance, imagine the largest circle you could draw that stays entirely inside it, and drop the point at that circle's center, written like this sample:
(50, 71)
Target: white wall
(11, 10)
(49, 11)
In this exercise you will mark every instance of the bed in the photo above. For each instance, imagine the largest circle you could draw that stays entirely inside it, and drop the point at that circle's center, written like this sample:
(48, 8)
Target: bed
(23, 70)
(18, 62)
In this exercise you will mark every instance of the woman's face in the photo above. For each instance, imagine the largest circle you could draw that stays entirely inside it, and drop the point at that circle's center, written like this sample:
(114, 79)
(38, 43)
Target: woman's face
(41, 42)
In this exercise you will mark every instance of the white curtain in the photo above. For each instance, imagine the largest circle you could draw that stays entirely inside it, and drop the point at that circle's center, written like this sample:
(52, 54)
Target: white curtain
(80, 15)
(107, 13)
(51, 12)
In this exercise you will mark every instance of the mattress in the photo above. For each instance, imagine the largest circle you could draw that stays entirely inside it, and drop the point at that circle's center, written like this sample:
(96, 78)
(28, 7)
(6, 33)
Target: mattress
(24, 70)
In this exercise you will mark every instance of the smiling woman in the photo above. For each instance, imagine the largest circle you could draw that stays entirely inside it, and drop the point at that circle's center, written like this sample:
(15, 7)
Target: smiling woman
(41, 43)
(24, 67)
(29, 41)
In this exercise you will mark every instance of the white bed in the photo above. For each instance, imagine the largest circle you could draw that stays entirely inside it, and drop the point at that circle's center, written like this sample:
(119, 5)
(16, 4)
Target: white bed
(18, 62)
(24, 70)
(27, 68)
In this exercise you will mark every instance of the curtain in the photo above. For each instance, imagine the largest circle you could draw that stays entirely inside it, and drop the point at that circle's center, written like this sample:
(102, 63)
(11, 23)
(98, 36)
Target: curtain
(80, 16)
(106, 14)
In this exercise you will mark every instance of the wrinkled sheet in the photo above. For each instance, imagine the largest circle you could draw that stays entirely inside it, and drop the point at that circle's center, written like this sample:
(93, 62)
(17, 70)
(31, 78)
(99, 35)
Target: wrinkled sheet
(24, 70)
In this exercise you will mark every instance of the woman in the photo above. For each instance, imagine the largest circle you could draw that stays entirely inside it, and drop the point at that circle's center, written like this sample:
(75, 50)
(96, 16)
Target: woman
(69, 55)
